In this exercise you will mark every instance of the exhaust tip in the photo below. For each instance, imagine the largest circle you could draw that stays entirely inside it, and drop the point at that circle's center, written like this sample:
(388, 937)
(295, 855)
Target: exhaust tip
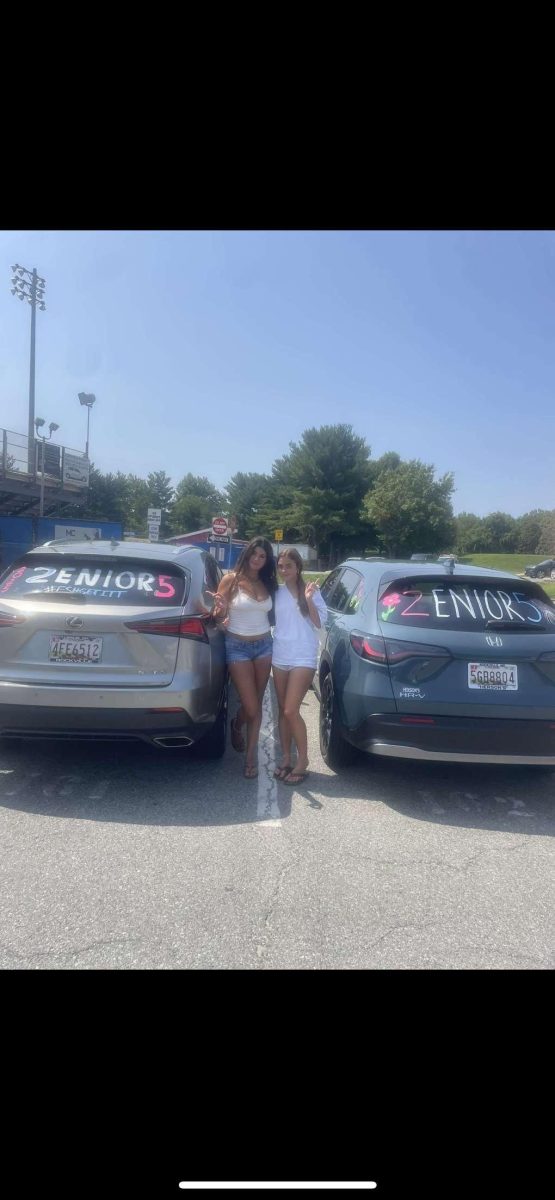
(177, 742)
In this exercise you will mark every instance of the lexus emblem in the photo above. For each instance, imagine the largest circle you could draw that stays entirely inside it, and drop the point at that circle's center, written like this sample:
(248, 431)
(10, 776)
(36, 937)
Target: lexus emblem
(493, 639)
(75, 622)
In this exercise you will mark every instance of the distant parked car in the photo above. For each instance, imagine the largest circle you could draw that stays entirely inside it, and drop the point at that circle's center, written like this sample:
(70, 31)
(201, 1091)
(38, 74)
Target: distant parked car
(113, 640)
(443, 558)
(543, 570)
(422, 558)
(418, 661)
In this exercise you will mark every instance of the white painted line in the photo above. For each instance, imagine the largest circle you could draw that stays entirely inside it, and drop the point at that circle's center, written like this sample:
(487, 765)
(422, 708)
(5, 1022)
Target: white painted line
(267, 810)
(329, 1186)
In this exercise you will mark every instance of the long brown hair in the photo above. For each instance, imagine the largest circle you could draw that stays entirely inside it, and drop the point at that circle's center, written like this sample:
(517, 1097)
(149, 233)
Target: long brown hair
(267, 575)
(296, 558)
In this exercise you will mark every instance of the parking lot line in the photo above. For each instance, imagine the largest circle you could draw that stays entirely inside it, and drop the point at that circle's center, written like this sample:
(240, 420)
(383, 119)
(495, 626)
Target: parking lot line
(267, 807)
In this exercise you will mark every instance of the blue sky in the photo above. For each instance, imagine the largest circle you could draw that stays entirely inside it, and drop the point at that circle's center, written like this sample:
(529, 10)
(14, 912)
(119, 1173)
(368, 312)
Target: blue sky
(210, 351)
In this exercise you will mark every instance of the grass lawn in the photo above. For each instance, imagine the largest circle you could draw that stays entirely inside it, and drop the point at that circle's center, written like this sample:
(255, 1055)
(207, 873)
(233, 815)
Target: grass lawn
(504, 562)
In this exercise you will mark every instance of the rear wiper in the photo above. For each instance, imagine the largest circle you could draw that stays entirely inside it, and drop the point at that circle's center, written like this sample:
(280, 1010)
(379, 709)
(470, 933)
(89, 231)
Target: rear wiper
(71, 597)
(512, 625)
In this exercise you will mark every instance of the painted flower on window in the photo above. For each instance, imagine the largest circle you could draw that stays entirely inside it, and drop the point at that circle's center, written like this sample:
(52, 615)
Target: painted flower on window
(389, 604)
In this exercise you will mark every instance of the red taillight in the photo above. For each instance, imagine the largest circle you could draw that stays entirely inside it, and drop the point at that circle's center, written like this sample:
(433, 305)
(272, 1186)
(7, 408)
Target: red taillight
(398, 651)
(193, 627)
(389, 650)
(418, 720)
(371, 648)
(189, 627)
(8, 619)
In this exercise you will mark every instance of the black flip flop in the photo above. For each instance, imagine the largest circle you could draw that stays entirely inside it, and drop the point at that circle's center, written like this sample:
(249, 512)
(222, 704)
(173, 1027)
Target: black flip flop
(281, 772)
(298, 777)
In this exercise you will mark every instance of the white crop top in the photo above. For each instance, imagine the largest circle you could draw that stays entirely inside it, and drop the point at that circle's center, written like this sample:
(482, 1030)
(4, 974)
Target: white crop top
(248, 616)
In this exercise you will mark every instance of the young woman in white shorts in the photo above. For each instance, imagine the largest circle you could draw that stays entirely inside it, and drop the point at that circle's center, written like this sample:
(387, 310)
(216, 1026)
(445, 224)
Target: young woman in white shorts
(300, 613)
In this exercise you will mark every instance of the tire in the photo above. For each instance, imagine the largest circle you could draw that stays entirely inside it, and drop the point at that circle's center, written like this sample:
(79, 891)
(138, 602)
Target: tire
(212, 745)
(540, 575)
(335, 751)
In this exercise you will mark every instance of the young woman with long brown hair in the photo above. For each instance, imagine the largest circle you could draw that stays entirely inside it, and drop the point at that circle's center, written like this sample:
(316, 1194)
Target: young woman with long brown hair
(244, 603)
(300, 613)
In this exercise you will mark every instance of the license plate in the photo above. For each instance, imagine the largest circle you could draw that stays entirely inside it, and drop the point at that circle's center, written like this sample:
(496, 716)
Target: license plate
(82, 648)
(493, 677)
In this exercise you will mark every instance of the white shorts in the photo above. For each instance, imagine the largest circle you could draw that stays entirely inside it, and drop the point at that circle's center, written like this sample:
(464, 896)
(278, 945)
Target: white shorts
(293, 666)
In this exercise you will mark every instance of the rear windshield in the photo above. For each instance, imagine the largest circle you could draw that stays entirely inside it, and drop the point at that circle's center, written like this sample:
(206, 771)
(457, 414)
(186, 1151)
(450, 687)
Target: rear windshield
(128, 582)
(445, 603)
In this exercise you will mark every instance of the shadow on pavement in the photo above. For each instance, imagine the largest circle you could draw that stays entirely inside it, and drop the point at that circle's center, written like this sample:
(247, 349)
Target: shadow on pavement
(502, 798)
(138, 784)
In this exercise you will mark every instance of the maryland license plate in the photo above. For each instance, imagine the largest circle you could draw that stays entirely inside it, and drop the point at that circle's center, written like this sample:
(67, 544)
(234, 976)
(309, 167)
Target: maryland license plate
(498, 677)
(82, 648)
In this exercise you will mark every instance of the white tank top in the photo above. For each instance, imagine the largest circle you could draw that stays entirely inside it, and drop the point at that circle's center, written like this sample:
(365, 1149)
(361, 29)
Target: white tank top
(248, 616)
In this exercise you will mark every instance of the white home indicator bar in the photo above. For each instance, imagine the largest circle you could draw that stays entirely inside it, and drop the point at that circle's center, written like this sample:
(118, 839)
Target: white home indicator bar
(250, 1185)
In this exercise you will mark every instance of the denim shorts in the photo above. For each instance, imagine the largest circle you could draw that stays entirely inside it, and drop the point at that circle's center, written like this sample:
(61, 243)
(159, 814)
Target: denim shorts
(239, 650)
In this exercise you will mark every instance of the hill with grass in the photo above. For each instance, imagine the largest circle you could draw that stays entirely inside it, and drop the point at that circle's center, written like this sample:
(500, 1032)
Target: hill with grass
(504, 562)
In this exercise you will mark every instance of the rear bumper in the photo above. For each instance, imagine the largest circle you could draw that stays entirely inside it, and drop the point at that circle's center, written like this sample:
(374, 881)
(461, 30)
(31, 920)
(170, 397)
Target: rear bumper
(101, 724)
(459, 739)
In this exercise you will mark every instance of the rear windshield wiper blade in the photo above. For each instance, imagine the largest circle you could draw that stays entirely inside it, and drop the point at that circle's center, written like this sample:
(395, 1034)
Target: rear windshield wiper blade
(71, 597)
(513, 625)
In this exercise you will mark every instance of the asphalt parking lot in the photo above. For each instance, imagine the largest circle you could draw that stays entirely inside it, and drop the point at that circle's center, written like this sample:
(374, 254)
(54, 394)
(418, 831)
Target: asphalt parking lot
(120, 856)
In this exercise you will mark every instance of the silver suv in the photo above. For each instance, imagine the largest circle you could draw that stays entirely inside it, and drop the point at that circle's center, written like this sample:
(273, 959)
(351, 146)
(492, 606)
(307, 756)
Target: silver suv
(113, 640)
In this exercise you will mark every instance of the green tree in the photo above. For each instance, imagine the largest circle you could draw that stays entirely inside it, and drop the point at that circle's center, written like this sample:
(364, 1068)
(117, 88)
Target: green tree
(198, 485)
(546, 544)
(197, 500)
(530, 530)
(138, 501)
(319, 486)
(412, 510)
(275, 510)
(246, 495)
(108, 498)
(387, 462)
(500, 533)
(160, 495)
(469, 537)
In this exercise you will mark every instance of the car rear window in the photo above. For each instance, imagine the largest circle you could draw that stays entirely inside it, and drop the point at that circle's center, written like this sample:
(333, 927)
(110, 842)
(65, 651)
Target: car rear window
(124, 582)
(470, 604)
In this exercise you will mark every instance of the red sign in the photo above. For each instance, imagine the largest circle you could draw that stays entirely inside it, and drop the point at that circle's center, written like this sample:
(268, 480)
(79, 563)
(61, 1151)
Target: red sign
(219, 526)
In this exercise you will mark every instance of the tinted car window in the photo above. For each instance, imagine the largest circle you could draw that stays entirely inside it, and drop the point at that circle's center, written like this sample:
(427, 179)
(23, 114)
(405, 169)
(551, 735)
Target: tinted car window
(355, 599)
(129, 582)
(348, 583)
(328, 587)
(212, 574)
(448, 604)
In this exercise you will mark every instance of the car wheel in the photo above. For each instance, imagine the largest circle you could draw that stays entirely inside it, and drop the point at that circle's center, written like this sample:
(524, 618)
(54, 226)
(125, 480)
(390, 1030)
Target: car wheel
(540, 575)
(212, 745)
(335, 751)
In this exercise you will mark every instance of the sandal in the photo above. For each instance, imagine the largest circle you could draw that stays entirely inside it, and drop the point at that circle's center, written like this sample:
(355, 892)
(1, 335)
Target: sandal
(250, 772)
(237, 739)
(281, 772)
(295, 777)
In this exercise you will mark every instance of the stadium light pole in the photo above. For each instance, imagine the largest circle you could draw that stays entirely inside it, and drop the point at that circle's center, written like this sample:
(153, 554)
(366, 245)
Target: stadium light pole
(88, 400)
(28, 285)
(39, 422)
